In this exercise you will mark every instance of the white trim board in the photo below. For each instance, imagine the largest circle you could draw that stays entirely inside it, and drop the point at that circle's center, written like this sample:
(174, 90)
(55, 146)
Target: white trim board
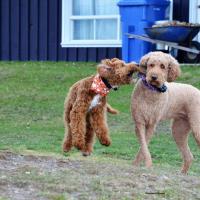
(67, 29)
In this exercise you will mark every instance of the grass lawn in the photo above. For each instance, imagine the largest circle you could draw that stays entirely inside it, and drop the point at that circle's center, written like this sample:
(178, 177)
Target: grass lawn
(31, 108)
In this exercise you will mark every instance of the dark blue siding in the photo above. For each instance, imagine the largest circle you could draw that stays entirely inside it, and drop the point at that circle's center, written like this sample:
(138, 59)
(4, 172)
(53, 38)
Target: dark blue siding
(82, 54)
(43, 27)
(73, 54)
(101, 53)
(181, 10)
(14, 30)
(52, 30)
(5, 30)
(24, 30)
(92, 53)
(31, 30)
(62, 52)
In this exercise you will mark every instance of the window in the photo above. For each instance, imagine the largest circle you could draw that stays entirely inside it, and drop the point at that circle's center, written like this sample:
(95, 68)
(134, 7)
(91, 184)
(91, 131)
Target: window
(90, 23)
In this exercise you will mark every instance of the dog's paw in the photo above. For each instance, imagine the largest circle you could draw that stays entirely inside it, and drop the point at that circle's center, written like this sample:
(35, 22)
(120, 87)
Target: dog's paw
(136, 163)
(106, 142)
(79, 146)
(66, 148)
(184, 170)
(148, 164)
(86, 153)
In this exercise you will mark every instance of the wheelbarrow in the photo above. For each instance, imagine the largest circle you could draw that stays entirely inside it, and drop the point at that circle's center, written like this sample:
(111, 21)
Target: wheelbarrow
(178, 37)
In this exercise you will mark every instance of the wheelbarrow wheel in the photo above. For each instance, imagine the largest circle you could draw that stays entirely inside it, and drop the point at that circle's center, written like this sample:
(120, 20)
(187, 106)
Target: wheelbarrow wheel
(192, 57)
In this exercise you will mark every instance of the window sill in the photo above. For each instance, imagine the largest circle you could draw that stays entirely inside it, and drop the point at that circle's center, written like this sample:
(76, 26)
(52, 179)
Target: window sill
(92, 44)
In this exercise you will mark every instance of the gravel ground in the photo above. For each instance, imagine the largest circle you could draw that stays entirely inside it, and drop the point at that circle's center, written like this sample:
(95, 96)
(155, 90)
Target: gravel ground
(25, 176)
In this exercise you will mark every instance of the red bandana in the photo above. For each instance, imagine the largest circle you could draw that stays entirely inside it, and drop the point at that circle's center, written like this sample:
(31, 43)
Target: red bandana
(99, 87)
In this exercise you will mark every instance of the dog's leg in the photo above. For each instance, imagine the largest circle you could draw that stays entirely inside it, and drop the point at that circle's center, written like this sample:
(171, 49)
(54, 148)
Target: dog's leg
(196, 134)
(195, 124)
(100, 125)
(149, 132)
(67, 141)
(180, 132)
(89, 137)
(144, 151)
(78, 124)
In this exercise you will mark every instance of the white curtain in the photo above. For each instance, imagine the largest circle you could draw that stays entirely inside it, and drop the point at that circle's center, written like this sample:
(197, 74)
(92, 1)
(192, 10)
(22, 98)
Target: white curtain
(105, 29)
(83, 7)
(83, 30)
(106, 7)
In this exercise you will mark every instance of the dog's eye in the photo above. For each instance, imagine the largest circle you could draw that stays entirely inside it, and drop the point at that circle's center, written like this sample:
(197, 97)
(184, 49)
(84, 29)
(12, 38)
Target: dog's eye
(162, 66)
(151, 65)
(130, 74)
(108, 68)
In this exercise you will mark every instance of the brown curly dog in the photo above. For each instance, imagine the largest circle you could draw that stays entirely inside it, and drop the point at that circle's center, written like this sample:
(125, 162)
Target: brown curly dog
(154, 100)
(85, 106)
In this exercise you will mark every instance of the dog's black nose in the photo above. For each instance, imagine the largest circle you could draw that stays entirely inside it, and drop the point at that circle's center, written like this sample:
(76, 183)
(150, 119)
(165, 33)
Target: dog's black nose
(154, 77)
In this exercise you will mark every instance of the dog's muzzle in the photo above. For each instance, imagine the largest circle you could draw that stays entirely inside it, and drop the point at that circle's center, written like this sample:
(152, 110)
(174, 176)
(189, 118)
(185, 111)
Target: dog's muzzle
(161, 89)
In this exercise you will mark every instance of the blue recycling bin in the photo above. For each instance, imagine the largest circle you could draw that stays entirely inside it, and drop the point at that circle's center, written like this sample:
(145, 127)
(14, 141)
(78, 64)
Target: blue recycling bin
(135, 16)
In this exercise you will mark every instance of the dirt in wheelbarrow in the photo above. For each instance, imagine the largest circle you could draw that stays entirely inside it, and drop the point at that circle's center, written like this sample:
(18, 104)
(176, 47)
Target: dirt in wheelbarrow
(176, 23)
(26, 176)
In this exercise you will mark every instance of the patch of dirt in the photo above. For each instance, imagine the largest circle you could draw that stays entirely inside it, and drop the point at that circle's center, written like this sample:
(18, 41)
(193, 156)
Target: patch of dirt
(176, 23)
(46, 177)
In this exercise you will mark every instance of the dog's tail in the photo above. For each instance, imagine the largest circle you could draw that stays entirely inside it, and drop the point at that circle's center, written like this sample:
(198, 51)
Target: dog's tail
(111, 110)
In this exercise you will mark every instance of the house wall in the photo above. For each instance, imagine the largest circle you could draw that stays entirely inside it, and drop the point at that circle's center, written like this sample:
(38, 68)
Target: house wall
(31, 30)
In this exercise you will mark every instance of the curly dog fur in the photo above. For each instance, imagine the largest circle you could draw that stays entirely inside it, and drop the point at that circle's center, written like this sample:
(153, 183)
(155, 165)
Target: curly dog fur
(85, 110)
(181, 103)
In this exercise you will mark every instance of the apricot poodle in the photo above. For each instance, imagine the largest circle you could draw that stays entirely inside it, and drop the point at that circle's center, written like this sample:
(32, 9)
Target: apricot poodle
(155, 99)
(85, 106)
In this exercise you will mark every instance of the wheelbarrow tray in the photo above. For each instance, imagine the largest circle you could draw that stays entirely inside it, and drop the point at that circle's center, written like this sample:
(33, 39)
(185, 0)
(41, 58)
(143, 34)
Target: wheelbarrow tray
(177, 34)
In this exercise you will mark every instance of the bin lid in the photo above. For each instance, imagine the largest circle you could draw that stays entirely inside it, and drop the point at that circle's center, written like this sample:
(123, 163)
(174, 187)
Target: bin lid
(142, 2)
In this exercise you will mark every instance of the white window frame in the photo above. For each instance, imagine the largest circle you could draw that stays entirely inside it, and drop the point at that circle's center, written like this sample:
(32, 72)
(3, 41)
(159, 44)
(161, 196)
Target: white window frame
(67, 29)
(194, 15)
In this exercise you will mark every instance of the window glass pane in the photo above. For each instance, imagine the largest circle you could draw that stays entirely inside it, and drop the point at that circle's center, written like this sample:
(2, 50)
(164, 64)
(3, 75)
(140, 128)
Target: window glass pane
(83, 7)
(106, 7)
(106, 29)
(83, 30)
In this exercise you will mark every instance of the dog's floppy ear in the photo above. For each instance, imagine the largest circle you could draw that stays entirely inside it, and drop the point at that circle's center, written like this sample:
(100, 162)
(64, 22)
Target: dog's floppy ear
(114, 59)
(174, 70)
(143, 62)
(134, 67)
(103, 69)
